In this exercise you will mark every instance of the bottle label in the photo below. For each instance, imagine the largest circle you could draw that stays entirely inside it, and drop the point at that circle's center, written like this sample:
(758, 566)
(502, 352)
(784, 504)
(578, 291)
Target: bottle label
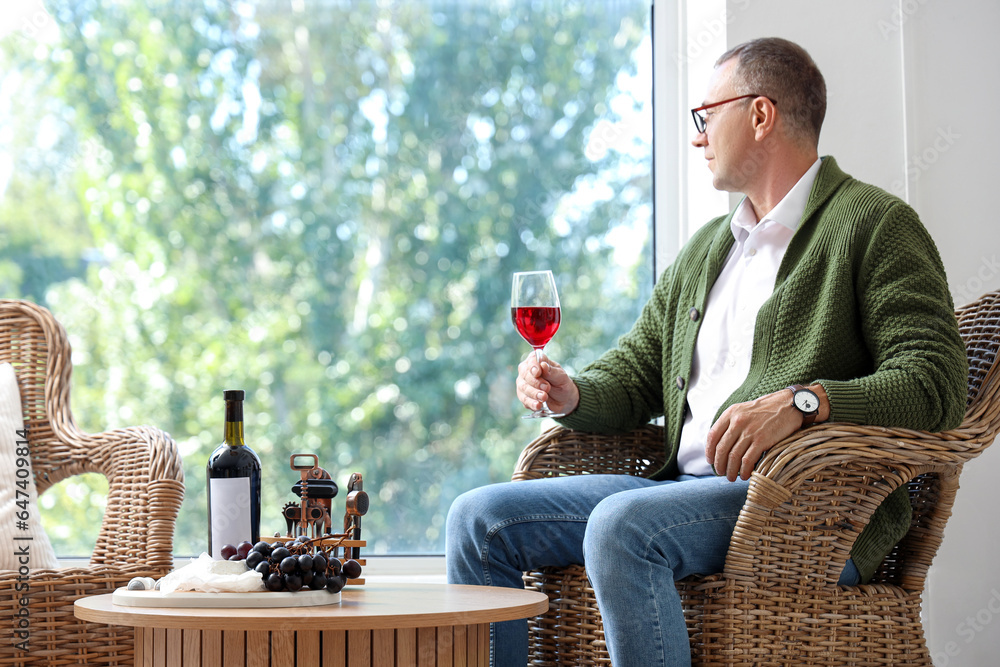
(230, 520)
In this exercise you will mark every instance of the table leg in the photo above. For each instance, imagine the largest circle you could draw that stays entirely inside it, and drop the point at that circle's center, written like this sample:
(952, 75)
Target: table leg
(426, 647)
(359, 647)
(383, 648)
(258, 648)
(445, 647)
(174, 647)
(307, 649)
(283, 648)
(191, 640)
(140, 647)
(211, 647)
(460, 639)
(334, 647)
(406, 646)
(234, 651)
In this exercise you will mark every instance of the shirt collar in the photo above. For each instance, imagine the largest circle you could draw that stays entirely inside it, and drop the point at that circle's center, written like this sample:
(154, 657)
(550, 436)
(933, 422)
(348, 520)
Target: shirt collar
(788, 212)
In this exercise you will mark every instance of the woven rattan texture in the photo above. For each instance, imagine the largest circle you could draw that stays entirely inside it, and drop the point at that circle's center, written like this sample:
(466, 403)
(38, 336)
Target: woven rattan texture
(777, 602)
(146, 487)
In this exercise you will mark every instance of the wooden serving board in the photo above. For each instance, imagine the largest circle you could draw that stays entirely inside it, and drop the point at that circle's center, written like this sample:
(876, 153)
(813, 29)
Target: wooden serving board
(198, 600)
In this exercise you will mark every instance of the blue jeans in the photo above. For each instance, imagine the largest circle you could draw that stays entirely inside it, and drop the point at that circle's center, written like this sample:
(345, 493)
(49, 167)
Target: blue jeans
(635, 536)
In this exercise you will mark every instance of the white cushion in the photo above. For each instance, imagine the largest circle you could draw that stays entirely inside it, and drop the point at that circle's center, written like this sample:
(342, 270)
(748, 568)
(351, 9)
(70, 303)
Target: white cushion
(24, 542)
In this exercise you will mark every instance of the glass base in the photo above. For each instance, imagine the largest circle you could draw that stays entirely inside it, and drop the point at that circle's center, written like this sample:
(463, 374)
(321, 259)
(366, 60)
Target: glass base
(543, 413)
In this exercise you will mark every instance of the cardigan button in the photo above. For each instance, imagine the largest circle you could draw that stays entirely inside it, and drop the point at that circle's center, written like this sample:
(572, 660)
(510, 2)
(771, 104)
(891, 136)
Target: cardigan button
(694, 314)
(680, 382)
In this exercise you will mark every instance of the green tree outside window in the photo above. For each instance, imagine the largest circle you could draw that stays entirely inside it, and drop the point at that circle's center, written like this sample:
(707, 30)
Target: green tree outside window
(322, 202)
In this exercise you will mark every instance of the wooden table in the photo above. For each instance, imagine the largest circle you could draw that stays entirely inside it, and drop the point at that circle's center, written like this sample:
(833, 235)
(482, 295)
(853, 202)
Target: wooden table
(390, 625)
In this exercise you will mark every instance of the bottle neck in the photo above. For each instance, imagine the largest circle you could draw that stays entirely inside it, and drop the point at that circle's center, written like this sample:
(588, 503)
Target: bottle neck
(234, 424)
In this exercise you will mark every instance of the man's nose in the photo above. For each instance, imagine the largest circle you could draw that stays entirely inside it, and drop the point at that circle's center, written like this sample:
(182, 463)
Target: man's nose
(700, 140)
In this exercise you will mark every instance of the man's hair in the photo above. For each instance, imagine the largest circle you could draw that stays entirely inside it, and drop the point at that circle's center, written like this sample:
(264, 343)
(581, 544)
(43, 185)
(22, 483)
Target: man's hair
(783, 71)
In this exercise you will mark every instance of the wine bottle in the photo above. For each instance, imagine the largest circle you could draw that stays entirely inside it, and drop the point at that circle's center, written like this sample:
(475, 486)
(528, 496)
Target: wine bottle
(233, 476)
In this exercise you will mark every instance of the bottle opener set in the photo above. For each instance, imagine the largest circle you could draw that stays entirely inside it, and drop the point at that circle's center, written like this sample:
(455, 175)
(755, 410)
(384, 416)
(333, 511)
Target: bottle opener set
(312, 516)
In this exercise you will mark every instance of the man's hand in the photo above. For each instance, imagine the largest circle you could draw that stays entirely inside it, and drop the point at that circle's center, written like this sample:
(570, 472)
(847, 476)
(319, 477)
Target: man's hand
(548, 382)
(746, 430)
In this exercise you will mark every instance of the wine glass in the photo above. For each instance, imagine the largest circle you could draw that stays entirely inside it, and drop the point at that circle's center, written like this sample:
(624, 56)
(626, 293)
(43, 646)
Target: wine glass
(534, 307)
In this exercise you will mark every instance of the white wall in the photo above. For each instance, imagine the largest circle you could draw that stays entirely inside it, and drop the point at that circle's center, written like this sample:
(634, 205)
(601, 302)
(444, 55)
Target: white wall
(914, 107)
(952, 60)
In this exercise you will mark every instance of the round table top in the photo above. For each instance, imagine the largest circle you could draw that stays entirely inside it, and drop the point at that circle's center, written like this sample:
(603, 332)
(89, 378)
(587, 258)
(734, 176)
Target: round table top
(372, 606)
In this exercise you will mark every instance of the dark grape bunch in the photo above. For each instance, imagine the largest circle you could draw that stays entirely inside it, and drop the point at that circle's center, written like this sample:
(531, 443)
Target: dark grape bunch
(294, 565)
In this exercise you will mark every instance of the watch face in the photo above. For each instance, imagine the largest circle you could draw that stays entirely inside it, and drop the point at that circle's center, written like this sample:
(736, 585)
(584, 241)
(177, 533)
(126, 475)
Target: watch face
(806, 401)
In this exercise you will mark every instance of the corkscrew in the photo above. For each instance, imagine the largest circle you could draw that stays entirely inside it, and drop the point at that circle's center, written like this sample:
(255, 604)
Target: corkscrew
(357, 507)
(317, 489)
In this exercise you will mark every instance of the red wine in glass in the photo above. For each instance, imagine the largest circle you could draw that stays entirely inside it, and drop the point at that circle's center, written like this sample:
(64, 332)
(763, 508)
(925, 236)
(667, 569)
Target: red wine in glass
(534, 308)
(536, 324)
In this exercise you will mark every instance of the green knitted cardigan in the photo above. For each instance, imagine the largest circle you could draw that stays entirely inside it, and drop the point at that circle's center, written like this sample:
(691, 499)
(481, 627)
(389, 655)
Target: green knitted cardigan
(860, 305)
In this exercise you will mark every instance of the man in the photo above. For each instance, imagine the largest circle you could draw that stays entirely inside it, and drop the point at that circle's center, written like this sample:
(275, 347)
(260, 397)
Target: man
(819, 298)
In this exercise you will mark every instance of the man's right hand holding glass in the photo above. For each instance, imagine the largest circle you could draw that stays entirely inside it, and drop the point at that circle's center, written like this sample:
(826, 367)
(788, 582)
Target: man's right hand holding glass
(546, 383)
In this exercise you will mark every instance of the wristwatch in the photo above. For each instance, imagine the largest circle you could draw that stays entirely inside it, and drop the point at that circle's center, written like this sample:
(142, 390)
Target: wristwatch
(806, 402)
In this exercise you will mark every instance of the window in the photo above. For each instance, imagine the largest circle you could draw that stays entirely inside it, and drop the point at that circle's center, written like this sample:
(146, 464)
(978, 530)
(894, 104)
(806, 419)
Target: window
(322, 202)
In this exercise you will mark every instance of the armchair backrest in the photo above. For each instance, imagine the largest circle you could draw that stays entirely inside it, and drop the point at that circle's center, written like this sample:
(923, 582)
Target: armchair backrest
(36, 345)
(932, 494)
(979, 323)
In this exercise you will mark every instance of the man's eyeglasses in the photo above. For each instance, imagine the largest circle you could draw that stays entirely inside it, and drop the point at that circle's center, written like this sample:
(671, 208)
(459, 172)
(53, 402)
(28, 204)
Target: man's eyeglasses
(701, 122)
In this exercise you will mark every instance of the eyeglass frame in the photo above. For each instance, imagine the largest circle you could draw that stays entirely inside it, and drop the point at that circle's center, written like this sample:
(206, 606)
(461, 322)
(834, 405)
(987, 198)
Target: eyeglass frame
(701, 122)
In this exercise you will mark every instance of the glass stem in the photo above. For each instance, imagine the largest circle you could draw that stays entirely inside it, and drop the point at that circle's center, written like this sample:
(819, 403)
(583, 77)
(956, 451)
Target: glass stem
(538, 358)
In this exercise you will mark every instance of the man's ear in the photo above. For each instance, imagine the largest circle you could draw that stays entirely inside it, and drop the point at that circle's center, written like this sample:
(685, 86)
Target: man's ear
(764, 117)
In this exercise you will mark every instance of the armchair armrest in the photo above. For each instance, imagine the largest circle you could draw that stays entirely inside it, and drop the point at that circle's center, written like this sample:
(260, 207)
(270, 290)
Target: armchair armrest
(807, 452)
(812, 494)
(820, 487)
(561, 451)
(145, 488)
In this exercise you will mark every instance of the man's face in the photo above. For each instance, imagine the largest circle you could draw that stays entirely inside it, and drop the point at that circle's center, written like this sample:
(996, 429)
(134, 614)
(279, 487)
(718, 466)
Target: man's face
(728, 136)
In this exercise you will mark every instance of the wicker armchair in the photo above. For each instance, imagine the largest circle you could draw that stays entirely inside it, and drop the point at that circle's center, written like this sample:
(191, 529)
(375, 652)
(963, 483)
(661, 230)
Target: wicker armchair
(146, 487)
(777, 602)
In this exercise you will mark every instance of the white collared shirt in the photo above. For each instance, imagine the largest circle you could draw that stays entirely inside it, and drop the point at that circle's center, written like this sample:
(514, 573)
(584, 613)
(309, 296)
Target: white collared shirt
(725, 340)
